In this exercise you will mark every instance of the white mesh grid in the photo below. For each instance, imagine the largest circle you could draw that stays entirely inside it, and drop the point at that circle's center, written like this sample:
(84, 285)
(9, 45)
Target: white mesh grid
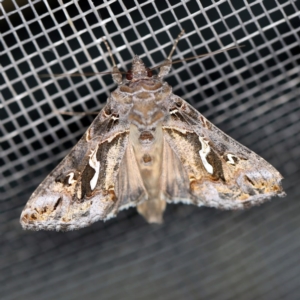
(251, 93)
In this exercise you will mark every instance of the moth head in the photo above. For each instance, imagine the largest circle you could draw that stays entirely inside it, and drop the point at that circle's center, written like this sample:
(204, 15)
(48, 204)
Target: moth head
(138, 70)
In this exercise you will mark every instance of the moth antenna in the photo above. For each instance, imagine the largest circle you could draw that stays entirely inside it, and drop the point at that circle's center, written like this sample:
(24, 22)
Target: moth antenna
(76, 74)
(109, 52)
(175, 43)
(208, 54)
(116, 74)
(75, 113)
(166, 66)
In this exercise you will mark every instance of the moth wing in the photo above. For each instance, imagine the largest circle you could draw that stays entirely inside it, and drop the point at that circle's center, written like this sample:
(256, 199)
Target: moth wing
(221, 172)
(174, 178)
(130, 184)
(80, 190)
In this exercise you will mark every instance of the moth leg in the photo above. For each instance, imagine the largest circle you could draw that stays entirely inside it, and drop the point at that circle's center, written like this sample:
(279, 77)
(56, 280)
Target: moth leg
(166, 66)
(116, 74)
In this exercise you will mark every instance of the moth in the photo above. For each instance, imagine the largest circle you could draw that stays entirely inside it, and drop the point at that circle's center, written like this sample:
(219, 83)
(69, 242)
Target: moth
(146, 148)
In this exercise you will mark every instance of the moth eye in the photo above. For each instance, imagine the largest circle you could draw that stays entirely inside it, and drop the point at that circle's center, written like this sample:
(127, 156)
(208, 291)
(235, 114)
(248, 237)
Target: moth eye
(149, 72)
(129, 75)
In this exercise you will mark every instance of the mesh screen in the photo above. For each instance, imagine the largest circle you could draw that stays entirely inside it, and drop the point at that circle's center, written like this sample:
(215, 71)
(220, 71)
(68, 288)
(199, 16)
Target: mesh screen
(251, 93)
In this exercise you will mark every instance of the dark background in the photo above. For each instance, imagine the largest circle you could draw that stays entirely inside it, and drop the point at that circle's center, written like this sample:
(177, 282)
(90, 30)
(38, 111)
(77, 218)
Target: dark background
(251, 93)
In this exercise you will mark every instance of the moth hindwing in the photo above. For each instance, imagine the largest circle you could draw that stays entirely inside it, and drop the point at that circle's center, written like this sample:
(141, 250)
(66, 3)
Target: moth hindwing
(148, 147)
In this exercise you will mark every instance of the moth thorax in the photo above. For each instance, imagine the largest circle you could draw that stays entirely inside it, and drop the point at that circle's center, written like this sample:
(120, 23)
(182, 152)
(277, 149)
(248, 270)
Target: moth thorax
(144, 96)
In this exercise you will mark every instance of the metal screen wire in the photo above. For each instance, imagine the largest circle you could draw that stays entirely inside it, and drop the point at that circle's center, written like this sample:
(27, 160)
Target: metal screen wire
(251, 93)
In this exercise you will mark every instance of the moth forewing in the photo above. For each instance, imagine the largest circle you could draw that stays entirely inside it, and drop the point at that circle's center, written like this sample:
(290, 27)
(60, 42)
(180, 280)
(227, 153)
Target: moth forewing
(148, 147)
(222, 173)
(80, 190)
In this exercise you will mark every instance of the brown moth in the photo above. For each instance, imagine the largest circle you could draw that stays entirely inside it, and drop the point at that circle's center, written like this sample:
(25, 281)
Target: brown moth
(146, 148)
